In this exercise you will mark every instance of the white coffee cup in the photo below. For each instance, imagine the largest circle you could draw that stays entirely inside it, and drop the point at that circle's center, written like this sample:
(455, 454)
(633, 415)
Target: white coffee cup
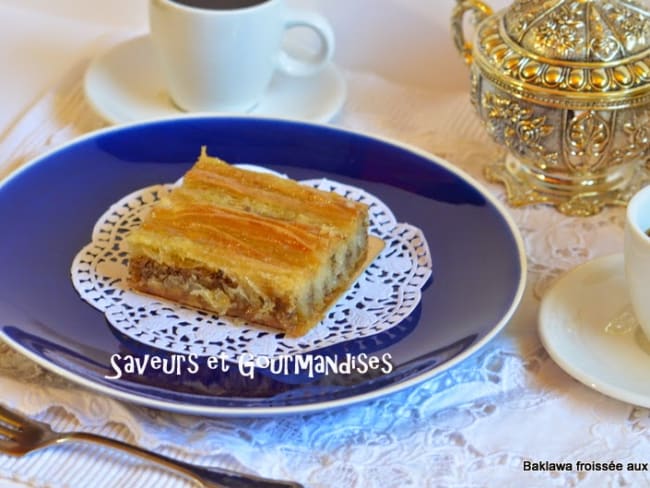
(223, 59)
(637, 256)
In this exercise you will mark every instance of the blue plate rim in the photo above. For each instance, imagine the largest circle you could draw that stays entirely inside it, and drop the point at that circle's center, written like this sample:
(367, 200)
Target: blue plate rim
(272, 411)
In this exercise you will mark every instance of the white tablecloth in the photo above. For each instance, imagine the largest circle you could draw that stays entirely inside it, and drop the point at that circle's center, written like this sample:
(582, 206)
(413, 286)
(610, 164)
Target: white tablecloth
(472, 426)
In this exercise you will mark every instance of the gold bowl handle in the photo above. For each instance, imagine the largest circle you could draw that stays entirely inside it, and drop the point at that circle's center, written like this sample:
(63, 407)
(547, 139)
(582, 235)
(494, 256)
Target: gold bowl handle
(481, 11)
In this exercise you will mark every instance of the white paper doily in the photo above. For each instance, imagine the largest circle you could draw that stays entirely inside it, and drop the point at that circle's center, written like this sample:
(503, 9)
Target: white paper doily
(383, 295)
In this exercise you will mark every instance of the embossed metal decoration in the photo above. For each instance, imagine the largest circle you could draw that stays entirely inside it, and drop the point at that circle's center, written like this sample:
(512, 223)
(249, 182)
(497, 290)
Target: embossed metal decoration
(564, 85)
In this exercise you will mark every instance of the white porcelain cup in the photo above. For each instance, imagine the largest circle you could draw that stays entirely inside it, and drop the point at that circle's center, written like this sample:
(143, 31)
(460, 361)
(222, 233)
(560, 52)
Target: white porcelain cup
(637, 256)
(223, 59)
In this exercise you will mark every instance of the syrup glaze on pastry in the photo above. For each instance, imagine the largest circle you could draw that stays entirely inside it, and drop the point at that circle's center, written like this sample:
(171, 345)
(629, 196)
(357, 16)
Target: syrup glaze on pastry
(251, 245)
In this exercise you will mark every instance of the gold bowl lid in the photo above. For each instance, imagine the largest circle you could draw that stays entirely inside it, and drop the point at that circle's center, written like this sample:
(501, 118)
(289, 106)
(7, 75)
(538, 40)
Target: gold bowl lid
(579, 54)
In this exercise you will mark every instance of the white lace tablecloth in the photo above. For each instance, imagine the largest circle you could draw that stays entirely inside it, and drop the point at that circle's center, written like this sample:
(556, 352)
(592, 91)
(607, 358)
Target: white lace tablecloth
(472, 426)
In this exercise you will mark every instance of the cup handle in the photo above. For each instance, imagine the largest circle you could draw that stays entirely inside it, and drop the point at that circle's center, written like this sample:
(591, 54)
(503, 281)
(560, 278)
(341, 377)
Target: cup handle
(298, 67)
(481, 11)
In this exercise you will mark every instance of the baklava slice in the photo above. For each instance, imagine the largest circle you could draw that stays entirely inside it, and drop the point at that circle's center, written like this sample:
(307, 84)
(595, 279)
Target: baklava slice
(250, 245)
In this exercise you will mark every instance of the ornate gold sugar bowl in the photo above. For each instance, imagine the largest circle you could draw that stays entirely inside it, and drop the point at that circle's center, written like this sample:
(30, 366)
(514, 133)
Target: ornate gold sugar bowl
(564, 85)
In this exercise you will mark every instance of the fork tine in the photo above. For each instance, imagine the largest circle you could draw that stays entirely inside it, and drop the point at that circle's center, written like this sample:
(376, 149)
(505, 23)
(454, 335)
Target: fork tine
(12, 448)
(12, 417)
(8, 432)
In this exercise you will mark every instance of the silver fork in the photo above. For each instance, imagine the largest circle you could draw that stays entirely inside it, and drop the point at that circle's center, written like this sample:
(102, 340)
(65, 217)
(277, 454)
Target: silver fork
(20, 435)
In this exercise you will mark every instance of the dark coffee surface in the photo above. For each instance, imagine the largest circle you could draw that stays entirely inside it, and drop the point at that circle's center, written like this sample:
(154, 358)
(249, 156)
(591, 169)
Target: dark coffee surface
(219, 4)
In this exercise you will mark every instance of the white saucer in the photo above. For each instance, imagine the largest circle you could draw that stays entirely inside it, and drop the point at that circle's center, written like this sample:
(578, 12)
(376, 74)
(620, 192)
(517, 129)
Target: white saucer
(125, 85)
(587, 326)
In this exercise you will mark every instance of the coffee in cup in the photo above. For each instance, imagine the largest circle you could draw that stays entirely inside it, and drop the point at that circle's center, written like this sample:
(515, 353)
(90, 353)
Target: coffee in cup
(219, 4)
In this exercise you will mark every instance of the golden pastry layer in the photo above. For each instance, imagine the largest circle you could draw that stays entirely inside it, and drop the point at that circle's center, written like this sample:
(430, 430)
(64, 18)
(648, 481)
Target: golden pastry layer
(249, 245)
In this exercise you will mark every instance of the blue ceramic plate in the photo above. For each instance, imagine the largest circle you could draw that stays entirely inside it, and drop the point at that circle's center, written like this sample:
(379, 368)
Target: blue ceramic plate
(48, 209)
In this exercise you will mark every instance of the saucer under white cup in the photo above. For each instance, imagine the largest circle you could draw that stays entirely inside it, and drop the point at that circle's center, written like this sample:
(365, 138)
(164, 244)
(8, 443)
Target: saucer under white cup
(125, 84)
(587, 326)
